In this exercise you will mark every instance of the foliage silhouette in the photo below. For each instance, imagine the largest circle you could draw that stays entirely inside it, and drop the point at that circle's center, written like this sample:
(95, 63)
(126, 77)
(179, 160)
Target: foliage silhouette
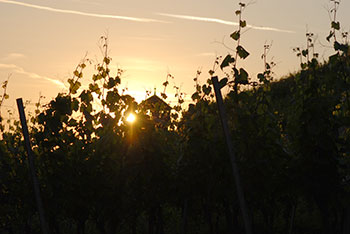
(169, 172)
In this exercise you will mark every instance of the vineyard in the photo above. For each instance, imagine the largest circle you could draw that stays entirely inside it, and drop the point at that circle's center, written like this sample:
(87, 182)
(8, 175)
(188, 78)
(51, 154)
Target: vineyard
(169, 170)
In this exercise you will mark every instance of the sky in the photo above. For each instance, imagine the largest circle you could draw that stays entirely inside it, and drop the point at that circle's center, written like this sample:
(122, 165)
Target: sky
(43, 41)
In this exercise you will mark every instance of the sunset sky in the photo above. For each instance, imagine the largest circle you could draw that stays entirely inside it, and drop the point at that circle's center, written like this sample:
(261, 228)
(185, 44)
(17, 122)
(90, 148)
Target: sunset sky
(42, 41)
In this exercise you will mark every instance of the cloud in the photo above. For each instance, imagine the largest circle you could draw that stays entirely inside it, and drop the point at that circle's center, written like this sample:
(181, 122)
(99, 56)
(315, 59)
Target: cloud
(12, 56)
(19, 70)
(16, 55)
(119, 17)
(189, 17)
(220, 21)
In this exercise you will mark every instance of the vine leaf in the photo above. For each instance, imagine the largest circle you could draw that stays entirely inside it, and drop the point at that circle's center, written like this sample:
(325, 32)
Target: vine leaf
(261, 77)
(226, 62)
(73, 86)
(242, 53)
(335, 25)
(206, 89)
(195, 96)
(94, 88)
(117, 80)
(111, 83)
(235, 35)
(243, 23)
(305, 52)
(242, 78)
(75, 104)
(341, 47)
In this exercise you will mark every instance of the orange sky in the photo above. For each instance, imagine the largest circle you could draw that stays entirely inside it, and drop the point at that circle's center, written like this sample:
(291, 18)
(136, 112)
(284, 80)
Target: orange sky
(43, 41)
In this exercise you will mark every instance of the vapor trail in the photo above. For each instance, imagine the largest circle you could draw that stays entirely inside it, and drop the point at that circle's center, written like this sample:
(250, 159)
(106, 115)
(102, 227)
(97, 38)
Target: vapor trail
(19, 70)
(79, 12)
(220, 21)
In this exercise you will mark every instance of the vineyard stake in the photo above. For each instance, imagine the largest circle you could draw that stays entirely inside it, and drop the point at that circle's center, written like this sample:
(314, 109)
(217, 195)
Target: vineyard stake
(240, 193)
(31, 166)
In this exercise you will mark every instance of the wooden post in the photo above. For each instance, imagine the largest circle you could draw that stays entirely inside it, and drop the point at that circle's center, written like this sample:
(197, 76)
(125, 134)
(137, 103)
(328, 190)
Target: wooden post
(31, 166)
(240, 193)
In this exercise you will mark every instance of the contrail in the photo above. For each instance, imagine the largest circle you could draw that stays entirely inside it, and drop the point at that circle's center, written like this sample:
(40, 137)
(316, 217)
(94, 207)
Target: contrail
(220, 21)
(20, 70)
(80, 12)
(189, 17)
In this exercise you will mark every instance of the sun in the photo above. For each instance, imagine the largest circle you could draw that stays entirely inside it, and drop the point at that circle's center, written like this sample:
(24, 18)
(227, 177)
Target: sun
(131, 118)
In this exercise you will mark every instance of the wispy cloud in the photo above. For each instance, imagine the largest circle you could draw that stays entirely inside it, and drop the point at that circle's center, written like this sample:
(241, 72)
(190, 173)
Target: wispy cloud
(119, 17)
(12, 56)
(225, 22)
(19, 70)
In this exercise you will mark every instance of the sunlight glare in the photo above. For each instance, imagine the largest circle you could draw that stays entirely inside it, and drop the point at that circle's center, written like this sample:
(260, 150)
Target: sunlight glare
(131, 118)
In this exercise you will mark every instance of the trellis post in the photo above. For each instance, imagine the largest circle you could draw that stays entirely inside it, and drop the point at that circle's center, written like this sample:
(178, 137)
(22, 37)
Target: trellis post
(28, 147)
(228, 138)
